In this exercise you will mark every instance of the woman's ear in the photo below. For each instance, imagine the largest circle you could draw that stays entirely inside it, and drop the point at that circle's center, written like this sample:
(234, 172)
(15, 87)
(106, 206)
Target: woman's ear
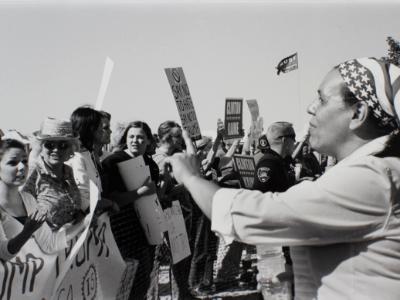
(360, 114)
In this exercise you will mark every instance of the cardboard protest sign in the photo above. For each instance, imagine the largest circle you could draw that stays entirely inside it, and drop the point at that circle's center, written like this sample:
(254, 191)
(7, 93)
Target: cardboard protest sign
(135, 173)
(97, 269)
(180, 90)
(254, 110)
(233, 118)
(108, 67)
(177, 235)
(95, 272)
(246, 167)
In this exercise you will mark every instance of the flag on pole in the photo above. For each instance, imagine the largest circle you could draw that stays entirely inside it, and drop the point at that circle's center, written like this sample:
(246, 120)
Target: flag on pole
(288, 64)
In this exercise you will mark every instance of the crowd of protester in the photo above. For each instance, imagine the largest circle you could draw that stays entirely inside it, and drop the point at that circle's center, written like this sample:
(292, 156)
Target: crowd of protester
(49, 196)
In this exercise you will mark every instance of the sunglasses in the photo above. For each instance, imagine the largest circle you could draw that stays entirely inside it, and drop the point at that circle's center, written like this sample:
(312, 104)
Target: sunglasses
(51, 145)
(290, 136)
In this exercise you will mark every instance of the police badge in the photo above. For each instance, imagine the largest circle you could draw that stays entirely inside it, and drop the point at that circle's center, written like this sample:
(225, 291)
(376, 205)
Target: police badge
(262, 174)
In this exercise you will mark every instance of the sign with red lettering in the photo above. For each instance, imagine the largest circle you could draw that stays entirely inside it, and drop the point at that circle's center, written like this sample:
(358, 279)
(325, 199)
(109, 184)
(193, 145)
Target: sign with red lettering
(180, 90)
(233, 118)
(246, 167)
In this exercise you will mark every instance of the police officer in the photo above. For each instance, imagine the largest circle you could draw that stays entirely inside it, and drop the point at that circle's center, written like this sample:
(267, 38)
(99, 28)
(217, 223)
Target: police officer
(273, 172)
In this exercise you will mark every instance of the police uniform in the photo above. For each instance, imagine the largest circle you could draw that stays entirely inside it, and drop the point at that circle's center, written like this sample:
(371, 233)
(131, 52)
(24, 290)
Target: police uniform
(271, 173)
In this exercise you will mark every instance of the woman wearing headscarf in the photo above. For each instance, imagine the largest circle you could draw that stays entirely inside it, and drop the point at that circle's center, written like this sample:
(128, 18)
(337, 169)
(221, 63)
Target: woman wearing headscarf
(343, 228)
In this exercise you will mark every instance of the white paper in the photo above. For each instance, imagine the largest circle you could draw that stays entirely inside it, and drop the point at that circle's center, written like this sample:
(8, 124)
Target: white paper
(151, 216)
(134, 172)
(177, 233)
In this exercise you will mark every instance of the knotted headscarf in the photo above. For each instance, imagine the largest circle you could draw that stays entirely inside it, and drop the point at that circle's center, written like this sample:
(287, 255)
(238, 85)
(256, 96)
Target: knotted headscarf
(377, 83)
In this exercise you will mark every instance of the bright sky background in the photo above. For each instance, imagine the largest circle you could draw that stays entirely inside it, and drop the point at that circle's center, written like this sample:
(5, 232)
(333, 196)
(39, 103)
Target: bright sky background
(52, 55)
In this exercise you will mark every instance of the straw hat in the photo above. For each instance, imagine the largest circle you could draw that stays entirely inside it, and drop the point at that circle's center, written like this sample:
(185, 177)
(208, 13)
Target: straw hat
(55, 129)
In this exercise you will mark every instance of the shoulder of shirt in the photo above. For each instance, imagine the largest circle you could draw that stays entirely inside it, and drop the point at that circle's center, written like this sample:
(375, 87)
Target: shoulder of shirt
(269, 158)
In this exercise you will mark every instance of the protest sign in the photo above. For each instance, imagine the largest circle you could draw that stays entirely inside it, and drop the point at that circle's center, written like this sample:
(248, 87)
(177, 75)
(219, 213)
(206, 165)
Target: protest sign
(177, 235)
(246, 167)
(180, 90)
(95, 272)
(97, 269)
(135, 173)
(254, 110)
(108, 67)
(233, 118)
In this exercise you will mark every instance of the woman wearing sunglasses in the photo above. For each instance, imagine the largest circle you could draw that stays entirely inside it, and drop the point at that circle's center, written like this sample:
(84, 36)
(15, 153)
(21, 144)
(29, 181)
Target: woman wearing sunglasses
(52, 182)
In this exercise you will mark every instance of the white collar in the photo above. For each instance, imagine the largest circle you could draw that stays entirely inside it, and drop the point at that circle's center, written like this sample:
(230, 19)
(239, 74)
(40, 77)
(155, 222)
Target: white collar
(370, 148)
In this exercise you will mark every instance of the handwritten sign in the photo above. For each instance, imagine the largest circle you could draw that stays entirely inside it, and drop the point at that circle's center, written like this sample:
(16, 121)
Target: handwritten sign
(177, 235)
(246, 167)
(94, 272)
(233, 118)
(180, 90)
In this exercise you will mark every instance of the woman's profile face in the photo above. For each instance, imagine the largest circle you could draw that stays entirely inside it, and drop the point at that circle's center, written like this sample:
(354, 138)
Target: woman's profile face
(137, 141)
(14, 167)
(103, 133)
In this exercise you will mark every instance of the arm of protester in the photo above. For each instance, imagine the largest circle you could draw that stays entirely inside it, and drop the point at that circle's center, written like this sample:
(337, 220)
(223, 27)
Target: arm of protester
(81, 176)
(9, 248)
(190, 149)
(211, 154)
(51, 241)
(105, 204)
(266, 177)
(185, 168)
(246, 142)
(125, 198)
(233, 147)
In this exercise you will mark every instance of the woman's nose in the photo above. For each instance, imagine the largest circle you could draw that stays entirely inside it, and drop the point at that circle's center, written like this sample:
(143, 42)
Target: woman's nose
(312, 108)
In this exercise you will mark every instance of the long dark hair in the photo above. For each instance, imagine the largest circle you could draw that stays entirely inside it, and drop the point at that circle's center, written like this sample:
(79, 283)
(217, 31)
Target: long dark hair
(85, 121)
(136, 124)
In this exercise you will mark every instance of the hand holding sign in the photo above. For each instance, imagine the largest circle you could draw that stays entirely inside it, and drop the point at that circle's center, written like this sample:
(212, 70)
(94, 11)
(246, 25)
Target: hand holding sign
(184, 166)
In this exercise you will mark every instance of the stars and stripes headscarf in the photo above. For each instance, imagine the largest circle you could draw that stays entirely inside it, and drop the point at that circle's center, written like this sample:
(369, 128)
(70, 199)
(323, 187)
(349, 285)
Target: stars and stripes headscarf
(377, 83)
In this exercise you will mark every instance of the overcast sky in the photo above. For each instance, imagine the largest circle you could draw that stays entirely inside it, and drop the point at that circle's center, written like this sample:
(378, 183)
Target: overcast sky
(52, 55)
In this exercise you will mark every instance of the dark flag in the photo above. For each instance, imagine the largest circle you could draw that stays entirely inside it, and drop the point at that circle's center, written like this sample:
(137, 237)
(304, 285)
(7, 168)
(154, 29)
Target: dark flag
(288, 64)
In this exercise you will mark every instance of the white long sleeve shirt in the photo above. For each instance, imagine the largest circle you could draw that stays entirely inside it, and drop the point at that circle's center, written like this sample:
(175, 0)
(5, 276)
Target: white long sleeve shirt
(343, 229)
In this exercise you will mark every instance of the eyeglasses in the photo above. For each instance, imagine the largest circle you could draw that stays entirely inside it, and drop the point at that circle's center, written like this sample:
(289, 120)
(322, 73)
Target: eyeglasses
(51, 145)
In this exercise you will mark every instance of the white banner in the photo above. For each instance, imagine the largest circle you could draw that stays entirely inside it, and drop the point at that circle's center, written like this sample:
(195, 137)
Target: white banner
(95, 272)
